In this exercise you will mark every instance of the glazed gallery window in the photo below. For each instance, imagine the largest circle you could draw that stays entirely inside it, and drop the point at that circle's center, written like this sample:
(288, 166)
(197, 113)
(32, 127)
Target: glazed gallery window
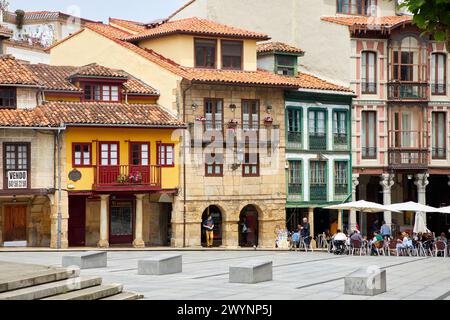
(250, 114)
(232, 52)
(368, 72)
(81, 154)
(295, 177)
(439, 135)
(317, 129)
(109, 153)
(140, 154)
(214, 114)
(166, 152)
(318, 173)
(357, 7)
(98, 92)
(340, 127)
(368, 136)
(205, 53)
(8, 98)
(341, 177)
(286, 65)
(438, 74)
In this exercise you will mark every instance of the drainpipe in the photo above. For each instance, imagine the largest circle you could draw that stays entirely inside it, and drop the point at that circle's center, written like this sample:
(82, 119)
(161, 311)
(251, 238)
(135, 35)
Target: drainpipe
(58, 145)
(184, 164)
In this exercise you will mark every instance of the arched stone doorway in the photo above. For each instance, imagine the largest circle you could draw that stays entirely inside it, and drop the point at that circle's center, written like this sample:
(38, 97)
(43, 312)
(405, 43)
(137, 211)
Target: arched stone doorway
(217, 217)
(249, 215)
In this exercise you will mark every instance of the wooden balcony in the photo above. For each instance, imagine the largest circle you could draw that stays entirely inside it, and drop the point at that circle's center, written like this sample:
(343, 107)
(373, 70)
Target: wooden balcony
(408, 91)
(408, 159)
(127, 178)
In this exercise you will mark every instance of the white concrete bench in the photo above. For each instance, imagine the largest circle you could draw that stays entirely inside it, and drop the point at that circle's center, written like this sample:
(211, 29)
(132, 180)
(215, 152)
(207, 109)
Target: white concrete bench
(251, 272)
(86, 260)
(161, 265)
(369, 281)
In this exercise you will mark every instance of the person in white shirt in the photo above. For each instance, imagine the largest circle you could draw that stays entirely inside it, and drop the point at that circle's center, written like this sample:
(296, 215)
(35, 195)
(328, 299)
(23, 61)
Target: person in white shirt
(339, 240)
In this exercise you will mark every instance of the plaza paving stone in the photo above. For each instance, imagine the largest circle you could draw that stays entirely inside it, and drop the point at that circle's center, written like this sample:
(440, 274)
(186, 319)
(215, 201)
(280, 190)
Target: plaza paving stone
(297, 276)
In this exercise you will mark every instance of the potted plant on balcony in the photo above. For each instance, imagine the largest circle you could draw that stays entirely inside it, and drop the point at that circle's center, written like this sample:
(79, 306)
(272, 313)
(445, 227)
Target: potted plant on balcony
(200, 119)
(135, 177)
(233, 123)
(122, 178)
(268, 121)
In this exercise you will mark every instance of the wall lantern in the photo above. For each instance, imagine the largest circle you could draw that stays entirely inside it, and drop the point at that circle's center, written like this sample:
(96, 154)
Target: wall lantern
(233, 107)
(194, 107)
(269, 108)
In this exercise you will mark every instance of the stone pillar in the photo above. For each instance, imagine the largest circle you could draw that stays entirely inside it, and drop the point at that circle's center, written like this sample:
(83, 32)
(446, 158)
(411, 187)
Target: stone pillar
(387, 181)
(352, 219)
(311, 221)
(138, 239)
(230, 234)
(422, 183)
(54, 220)
(104, 237)
(340, 222)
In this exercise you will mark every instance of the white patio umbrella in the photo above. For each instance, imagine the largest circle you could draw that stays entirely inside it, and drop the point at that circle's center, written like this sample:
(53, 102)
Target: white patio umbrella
(420, 224)
(362, 206)
(444, 210)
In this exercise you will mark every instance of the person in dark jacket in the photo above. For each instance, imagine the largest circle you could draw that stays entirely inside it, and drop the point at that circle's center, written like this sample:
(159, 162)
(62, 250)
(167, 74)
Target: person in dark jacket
(305, 233)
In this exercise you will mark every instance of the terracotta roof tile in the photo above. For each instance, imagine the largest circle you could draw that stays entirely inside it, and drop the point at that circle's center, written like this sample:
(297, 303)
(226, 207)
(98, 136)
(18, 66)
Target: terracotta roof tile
(53, 114)
(368, 22)
(95, 70)
(264, 47)
(195, 26)
(308, 81)
(13, 71)
(131, 26)
(5, 32)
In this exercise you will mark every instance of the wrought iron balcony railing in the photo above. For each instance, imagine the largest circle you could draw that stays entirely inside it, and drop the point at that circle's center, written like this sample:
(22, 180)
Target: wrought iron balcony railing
(317, 141)
(295, 189)
(408, 158)
(318, 192)
(404, 91)
(294, 140)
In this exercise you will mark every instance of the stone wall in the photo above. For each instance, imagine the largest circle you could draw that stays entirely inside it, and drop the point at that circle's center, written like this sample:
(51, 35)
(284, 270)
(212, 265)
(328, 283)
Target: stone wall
(233, 192)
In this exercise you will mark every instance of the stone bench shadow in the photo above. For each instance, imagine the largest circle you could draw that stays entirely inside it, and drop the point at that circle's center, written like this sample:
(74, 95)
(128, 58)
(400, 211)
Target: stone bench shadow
(86, 260)
(251, 272)
(161, 265)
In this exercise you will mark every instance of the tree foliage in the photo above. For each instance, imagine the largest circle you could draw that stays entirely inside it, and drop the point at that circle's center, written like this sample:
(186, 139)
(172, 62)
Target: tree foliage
(432, 16)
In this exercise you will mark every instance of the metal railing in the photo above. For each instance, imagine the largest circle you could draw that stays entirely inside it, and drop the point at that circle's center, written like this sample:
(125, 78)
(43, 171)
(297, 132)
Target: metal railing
(318, 141)
(128, 175)
(407, 91)
(318, 192)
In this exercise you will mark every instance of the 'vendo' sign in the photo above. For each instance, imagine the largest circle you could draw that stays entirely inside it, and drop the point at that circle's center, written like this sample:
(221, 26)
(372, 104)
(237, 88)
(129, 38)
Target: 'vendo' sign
(17, 180)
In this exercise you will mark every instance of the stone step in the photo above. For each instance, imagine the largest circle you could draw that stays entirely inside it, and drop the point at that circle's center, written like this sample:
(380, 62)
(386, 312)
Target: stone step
(34, 278)
(125, 296)
(51, 289)
(93, 293)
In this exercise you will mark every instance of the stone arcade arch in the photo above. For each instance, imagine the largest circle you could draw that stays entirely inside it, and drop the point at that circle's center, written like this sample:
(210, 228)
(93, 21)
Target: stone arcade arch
(251, 215)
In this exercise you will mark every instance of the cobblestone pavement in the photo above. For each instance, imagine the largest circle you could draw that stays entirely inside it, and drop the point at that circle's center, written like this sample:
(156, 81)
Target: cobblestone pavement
(298, 276)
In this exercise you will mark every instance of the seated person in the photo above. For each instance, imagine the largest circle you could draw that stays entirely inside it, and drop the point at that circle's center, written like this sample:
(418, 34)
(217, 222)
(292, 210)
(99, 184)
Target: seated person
(356, 236)
(442, 237)
(406, 243)
(376, 238)
(295, 240)
(339, 240)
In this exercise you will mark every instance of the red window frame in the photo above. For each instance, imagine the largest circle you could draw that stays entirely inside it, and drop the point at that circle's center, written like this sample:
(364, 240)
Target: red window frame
(204, 66)
(101, 85)
(214, 165)
(139, 143)
(435, 85)
(74, 144)
(246, 164)
(109, 143)
(225, 42)
(365, 84)
(158, 153)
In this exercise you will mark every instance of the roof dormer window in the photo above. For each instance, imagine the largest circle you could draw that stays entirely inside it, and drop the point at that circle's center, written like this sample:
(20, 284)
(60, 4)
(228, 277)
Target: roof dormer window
(8, 98)
(286, 65)
(357, 7)
(101, 92)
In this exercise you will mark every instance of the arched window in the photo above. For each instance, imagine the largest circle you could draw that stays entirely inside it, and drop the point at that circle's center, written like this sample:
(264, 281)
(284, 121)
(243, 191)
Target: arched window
(438, 74)
(369, 72)
(357, 7)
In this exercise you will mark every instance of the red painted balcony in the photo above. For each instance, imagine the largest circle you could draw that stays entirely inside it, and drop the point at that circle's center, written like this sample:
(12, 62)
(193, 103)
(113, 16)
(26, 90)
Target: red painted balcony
(127, 178)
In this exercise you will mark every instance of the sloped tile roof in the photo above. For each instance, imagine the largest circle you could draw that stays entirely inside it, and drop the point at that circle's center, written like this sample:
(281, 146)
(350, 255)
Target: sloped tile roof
(368, 22)
(53, 114)
(14, 72)
(131, 26)
(195, 26)
(95, 70)
(308, 81)
(264, 47)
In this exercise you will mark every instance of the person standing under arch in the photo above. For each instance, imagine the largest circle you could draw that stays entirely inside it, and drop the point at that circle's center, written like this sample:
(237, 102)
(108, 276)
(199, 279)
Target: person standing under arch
(209, 226)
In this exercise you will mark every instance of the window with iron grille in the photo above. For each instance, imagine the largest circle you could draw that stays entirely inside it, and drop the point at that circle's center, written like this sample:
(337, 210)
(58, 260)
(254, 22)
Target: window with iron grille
(341, 177)
(439, 135)
(368, 72)
(295, 177)
(438, 74)
(369, 134)
(340, 127)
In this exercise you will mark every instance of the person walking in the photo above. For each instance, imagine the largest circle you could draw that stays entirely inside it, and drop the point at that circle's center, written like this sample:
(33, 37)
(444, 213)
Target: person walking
(209, 226)
(244, 230)
(306, 232)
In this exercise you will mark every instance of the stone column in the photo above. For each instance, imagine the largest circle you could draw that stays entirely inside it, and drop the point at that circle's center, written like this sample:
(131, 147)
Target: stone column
(54, 220)
(104, 237)
(311, 221)
(230, 234)
(352, 219)
(340, 222)
(387, 181)
(422, 183)
(138, 239)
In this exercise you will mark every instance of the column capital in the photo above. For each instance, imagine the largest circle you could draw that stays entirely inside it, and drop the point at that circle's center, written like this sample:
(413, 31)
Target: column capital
(422, 181)
(140, 196)
(355, 181)
(104, 196)
(387, 181)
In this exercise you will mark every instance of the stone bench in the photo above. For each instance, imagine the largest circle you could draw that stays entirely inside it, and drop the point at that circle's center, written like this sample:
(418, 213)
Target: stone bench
(86, 260)
(161, 265)
(251, 272)
(366, 282)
